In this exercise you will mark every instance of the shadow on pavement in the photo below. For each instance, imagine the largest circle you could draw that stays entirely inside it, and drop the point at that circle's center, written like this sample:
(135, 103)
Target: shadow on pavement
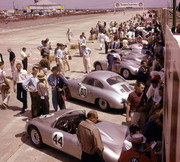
(95, 107)
(46, 149)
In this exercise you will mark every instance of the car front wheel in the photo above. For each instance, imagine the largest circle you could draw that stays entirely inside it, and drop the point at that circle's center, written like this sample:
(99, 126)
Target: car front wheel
(103, 104)
(126, 74)
(98, 67)
(36, 137)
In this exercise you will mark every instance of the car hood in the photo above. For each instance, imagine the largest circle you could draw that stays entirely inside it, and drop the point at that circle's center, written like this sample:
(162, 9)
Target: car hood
(113, 136)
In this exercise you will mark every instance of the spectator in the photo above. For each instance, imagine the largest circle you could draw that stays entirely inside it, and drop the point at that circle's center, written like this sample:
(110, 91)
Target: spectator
(60, 58)
(142, 75)
(1, 60)
(81, 41)
(4, 87)
(101, 40)
(60, 87)
(86, 58)
(136, 103)
(24, 58)
(134, 154)
(44, 64)
(30, 85)
(153, 130)
(153, 94)
(12, 59)
(69, 34)
(42, 87)
(66, 54)
(20, 76)
(90, 139)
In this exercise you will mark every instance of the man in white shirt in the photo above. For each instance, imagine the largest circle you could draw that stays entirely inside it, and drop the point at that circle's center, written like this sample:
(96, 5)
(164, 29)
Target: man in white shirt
(81, 40)
(24, 58)
(125, 42)
(20, 76)
(86, 57)
(101, 39)
(30, 85)
(153, 92)
(5, 93)
(60, 58)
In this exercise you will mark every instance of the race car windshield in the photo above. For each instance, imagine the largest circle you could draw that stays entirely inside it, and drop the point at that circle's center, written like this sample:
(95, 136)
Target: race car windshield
(115, 80)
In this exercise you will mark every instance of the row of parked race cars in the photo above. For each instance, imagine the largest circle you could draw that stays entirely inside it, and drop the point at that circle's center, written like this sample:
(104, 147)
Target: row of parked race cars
(104, 88)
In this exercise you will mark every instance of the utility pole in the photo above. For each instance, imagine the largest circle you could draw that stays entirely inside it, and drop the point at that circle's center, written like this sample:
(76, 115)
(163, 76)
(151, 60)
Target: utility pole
(174, 13)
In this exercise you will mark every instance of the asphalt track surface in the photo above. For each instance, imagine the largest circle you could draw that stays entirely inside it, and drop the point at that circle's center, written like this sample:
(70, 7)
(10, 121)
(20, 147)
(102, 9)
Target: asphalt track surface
(15, 145)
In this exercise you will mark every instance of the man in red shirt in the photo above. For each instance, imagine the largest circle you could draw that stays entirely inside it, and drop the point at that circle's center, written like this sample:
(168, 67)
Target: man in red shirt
(137, 104)
(134, 154)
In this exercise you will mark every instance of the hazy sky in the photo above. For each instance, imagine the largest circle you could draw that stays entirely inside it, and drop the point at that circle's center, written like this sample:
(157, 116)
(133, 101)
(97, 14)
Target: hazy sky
(84, 4)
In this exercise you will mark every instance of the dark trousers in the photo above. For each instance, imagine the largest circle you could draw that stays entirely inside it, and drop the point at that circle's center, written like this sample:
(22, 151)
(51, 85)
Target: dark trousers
(35, 104)
(25, 63)
(91, 158)
(22, 95)
(44, 105)
(106, 47)
(60, 101)
(110, 62)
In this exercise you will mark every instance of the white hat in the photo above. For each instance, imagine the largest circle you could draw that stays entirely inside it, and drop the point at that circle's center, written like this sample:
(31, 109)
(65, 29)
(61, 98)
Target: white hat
(83, 45)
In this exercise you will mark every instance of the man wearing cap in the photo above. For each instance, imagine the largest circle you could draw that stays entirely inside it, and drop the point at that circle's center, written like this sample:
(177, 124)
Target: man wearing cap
(134, 154)
(20, 75)
(42, 87)
(30, 85)
(12, 59)
(90, 139)
(55, 79)
(86, 57)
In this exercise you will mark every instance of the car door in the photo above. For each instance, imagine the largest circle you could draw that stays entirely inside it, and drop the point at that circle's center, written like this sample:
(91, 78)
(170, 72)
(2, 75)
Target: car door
(66, 142)
(86, 89)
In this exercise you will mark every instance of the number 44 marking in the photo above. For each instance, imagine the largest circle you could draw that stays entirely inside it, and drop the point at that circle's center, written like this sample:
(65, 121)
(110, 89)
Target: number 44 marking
(58, 139)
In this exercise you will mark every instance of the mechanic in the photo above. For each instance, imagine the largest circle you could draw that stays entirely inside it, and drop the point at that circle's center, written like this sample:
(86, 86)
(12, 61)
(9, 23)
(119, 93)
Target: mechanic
(134, 129)
(89, 136)
(136, 103)
(30, 85)
(20, 75)
(42, 87)
(112, 58)
(134, 154)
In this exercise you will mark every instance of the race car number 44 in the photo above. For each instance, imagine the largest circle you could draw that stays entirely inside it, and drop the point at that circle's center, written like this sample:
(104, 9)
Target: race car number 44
(58, 140)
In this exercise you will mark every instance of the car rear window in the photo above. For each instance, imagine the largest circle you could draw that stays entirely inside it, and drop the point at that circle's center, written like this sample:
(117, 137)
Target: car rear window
(114, 80)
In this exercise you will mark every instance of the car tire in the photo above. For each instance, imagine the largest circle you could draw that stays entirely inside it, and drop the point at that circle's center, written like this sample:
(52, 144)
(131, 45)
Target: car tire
(126, 74)
(103, 105)
(98, 67)
(68, 94)
(35, 137)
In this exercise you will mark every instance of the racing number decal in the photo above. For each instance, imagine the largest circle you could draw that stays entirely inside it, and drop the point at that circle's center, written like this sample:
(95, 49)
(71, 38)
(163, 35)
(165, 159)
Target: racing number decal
(58, 140)
(83, 91)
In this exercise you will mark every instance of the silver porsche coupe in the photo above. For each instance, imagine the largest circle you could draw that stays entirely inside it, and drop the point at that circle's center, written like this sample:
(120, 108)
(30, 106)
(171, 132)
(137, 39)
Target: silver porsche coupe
(104, 88)
(58, 130)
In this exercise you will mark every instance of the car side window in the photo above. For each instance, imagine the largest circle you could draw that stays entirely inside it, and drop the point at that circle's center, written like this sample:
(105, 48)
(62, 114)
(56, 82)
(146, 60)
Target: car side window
(98, 84)
(88, 81)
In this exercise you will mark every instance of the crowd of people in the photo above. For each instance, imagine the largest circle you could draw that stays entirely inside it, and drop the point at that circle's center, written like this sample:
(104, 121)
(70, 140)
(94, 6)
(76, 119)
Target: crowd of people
(144, 109)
